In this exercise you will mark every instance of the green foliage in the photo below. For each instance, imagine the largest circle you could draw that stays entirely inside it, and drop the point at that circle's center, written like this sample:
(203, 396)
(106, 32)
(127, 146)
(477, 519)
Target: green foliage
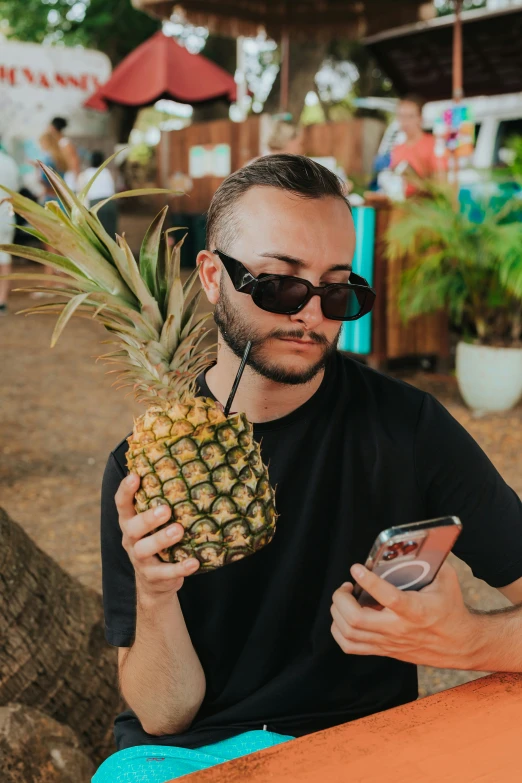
(472, 269)
(371, 80)
(515, 167)
(113, 27)
(445, 7)
(141, 154)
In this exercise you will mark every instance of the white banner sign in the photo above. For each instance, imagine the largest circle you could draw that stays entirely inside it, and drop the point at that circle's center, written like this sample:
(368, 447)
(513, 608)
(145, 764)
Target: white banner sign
(40, 82)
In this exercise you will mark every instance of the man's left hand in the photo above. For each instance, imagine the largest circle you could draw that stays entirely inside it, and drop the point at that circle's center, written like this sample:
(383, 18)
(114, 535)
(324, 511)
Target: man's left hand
(432, 627)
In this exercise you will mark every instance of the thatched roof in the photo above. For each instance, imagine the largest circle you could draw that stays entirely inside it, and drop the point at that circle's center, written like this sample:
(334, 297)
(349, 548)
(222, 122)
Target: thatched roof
(306, 18)
(419, 58)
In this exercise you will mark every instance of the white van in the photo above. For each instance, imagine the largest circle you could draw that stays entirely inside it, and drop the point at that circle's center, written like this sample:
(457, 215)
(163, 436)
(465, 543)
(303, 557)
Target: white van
(497, 118)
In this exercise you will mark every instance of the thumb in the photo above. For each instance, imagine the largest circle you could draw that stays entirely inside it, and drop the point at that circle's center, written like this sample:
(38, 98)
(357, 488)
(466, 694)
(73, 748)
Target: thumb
(125, 497)
(446, 579)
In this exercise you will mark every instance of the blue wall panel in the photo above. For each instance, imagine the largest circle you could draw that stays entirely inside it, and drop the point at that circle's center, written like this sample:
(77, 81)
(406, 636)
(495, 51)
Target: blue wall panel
(356, 336)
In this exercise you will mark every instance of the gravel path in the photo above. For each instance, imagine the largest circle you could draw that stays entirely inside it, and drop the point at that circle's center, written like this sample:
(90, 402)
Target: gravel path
(60, 418)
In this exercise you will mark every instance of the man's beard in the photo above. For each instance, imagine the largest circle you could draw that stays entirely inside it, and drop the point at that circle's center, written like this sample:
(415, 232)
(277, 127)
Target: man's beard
(236, 333)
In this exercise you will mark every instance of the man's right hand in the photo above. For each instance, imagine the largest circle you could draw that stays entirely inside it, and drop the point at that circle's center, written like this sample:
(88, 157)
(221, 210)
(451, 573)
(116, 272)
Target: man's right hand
(153, 576)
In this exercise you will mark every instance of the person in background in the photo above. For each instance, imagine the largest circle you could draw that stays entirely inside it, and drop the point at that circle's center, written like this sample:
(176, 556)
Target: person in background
(286, 138)
(418, 149)
(103, 187)
(53, 157)
(10, 178)
(69, 151)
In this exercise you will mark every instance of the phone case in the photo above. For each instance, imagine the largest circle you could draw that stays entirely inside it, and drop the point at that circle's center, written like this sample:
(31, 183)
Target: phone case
(410, 556)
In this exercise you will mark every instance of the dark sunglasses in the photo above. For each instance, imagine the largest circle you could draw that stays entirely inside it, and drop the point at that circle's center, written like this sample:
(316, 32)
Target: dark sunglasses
(287, 295)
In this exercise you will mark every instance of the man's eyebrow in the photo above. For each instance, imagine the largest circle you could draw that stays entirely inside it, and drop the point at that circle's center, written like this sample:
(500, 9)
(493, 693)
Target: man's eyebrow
(300, 264)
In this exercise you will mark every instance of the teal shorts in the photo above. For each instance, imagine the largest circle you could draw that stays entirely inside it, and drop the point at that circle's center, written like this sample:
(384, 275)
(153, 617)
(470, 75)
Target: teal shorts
(159, 763)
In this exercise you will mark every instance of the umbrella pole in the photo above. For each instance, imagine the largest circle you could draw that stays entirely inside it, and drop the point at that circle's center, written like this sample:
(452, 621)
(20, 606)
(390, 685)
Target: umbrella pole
(458, 89)
(285, 72)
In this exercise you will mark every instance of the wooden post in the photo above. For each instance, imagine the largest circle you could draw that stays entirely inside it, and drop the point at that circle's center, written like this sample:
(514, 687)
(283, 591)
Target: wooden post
(285, 71)
(240, 77)
(458, 81)
(458, 90)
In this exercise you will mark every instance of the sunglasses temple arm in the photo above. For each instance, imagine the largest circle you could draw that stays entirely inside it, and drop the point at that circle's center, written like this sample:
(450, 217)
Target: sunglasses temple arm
(238, 378)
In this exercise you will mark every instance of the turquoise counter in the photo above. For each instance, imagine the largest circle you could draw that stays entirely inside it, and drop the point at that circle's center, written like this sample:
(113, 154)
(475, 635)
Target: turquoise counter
(356, 336)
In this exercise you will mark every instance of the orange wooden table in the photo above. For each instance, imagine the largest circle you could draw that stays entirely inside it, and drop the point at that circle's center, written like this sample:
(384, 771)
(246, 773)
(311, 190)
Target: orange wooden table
(469, 734)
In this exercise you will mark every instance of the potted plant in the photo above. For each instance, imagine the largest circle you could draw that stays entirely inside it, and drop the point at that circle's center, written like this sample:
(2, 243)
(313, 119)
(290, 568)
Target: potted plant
(472, 267)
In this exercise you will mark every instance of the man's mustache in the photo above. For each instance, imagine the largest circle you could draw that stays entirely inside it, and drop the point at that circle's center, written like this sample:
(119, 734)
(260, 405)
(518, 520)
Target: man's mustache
(297, 334)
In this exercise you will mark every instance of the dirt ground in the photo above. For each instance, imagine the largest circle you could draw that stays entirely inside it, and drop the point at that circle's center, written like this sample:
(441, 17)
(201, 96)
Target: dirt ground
(60, 418)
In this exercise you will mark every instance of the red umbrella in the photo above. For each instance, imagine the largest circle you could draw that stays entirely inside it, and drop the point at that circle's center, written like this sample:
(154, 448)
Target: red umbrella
(161, 68)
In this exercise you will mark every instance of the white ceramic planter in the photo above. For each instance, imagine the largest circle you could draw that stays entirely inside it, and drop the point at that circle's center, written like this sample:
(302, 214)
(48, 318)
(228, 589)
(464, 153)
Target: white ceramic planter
(490, 379)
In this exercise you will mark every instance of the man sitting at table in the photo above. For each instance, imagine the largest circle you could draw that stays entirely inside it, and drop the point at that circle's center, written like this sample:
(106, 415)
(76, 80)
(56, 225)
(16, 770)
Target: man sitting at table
(275, 646)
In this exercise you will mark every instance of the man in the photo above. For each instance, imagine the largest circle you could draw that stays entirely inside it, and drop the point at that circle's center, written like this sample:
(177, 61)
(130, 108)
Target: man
(276, 645)
(69, 151)
(418, 149)
(10, 178)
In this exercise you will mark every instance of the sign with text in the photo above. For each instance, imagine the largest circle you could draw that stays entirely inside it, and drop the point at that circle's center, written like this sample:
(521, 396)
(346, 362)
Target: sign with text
(40, 82)
(209, 160)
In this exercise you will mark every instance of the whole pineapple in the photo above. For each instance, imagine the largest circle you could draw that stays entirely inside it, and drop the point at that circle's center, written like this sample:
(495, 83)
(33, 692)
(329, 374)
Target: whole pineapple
(188, 454)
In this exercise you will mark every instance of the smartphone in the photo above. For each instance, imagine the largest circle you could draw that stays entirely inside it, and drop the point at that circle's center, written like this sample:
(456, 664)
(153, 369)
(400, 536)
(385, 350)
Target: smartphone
(410, 556)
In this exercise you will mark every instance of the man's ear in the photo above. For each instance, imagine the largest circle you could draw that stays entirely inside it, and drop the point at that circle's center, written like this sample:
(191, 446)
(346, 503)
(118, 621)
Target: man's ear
(209, 274)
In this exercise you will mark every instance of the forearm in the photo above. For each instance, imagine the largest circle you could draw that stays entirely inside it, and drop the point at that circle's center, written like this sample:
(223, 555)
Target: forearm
(496, 643)
(161, 678)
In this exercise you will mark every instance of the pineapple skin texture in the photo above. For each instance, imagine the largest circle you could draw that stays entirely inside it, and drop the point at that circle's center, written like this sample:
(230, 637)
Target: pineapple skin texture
(208, 468)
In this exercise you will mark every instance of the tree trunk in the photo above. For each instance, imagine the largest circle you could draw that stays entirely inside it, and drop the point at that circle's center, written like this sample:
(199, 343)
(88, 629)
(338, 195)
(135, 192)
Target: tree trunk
(36, 748)
(223, 52)
(211, 110)
(122, 119)
(53, 654)
(306, 58)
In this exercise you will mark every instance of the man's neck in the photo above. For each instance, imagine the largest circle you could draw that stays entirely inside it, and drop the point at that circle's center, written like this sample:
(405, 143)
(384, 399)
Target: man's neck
(414, 138)
(260, 399)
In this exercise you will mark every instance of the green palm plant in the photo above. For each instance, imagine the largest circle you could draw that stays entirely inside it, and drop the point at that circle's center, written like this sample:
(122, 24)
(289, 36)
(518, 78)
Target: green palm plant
(472, 269)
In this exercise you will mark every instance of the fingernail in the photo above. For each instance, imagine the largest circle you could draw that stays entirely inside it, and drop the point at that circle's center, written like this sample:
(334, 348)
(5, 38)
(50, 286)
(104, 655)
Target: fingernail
(171, 531)
(358, 571)
(161, 511)
(131, 479)
(346, 584)
(191, 563)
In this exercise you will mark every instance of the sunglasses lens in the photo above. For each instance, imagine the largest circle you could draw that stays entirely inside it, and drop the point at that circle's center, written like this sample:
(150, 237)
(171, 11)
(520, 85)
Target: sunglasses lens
(339, 303)
(280, 296)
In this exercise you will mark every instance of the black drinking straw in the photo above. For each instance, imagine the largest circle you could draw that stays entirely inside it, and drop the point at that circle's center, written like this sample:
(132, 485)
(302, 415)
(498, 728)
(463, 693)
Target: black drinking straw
(238, 378)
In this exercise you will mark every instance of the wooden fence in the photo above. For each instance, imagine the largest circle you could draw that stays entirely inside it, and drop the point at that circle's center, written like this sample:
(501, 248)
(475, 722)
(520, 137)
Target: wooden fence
(352, 143)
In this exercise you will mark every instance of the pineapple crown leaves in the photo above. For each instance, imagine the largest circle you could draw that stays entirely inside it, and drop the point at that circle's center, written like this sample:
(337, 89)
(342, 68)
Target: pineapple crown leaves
(143, 303)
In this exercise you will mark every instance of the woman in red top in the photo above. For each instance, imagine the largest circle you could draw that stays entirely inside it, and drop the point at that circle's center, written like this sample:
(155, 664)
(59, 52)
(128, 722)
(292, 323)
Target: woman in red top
(419, 148)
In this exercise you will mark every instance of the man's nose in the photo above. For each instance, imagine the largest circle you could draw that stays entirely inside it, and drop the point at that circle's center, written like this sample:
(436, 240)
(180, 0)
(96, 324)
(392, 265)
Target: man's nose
(311, 315)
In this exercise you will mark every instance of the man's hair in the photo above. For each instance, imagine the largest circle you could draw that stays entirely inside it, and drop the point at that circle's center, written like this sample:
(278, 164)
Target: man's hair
(292, 173)
(412, 97)
(59, 123)
(97, 158)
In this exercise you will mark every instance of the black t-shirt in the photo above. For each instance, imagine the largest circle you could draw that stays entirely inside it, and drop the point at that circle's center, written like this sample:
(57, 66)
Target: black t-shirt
(364, 453)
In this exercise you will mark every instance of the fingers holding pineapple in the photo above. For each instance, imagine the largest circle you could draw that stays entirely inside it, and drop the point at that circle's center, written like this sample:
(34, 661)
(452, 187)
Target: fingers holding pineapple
(143, 545)
(125, 497)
